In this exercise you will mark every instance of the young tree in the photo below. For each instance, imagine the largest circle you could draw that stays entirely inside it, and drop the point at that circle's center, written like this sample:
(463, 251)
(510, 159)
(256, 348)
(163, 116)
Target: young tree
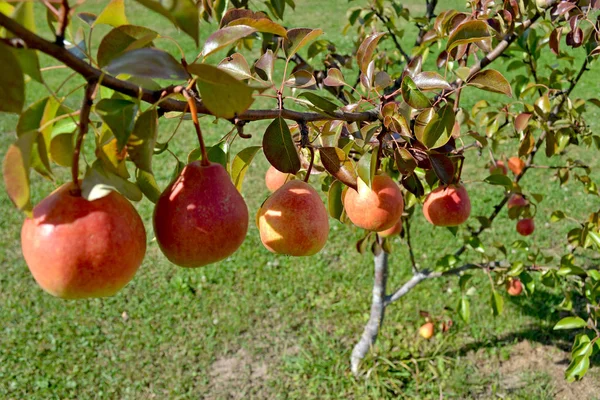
(394, 122)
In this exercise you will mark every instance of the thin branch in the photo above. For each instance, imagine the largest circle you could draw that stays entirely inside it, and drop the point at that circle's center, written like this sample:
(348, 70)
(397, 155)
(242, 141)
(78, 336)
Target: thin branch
(429, 14)
(84, 119)
(35, 42)
(415, 270)
(63, 22)
(386, 22)
(371, 330)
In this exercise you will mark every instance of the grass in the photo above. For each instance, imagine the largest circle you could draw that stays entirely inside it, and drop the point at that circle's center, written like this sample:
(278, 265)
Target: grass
(265, 326)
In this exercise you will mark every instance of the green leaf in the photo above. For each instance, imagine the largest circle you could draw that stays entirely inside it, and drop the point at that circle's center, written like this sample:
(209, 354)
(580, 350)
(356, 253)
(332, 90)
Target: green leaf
(464, 310)
(99, 182)
(264, 66)
(237, 66)
(298, 38)
(366, 166)
(264, 25)
(113, 14)
(430, 80)
(216, 154)
(412, 95)
(364, 54)
(438, 130)
(320, 102)
(492, 81)
(147, 183)
(279, 148)
(557, 215)
(578, 368)
(15, 170)
(140, 145)
(468, 32)
(183, 13)
(499, 180)
(121, 39)
(595, 238)
(222, 94)
(12, 85)
(240, 165)
(497, 302)
(225, 37)
(147, 63)
(301, 79)
(570, 323)
(339, 165)
(334, 200)
(24, 14)
(119, 115)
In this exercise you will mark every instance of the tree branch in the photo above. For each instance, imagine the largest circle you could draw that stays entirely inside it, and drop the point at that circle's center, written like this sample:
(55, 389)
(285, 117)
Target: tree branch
(35, 42)
(386, 21)
(377, 312)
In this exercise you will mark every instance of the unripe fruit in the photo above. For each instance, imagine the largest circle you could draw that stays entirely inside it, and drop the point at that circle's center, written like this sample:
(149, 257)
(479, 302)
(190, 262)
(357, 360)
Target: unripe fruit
(274, 179)
(447, 205)
(525, 226)
(426, 330)
(516, 200)
(516, 165)
(374, 208)
(514, 287)
(498, 168)
(77, 248)
(200, 218)
(394, 230)
(293, 220)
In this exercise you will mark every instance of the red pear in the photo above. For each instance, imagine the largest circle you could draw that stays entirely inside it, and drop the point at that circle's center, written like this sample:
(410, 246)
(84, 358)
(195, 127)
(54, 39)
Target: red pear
(293, 220)
(516, 165)
(274, 179)
(200, 218)
(447, 205)
(516, 200)
(498, 168)
(394, 230)
(514, 287)
(374, 208)
(77, 248)
(525, 226)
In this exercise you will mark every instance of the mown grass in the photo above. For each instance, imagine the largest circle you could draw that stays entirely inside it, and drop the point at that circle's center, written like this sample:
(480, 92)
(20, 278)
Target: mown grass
(299, 317)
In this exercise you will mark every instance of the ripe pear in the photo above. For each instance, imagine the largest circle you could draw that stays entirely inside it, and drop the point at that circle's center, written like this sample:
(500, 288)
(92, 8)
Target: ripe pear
(274, 179)
(77, 248)
(394, 230)
(514, 287)
(516, 165)
(516, 200)
(293, 220)
(374, 208)
(525, 226)
(200, 218)
(447, 205)
(426, 330)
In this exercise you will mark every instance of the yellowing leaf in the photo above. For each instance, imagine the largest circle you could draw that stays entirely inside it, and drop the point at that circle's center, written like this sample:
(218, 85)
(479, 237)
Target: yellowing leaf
(113, 14)
(225, 37)
(298, 38)
(492, 81)
(468, 32)
(15, 170)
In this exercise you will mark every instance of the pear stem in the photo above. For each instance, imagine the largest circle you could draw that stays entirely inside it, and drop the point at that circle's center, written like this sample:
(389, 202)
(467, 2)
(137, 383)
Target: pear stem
(194, 112)
(84, 120)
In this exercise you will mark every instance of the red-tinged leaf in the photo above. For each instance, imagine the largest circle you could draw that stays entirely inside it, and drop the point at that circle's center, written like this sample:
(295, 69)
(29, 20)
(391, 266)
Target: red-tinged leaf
(237, 66)
(564, 7)
(221, 93)
(12, 85)
(527, 145)
(382, 80)
(113, 14)
(468, 32)
(364, 53)
(412, 95)
(575, 37)
(264, 66)
(301, 79)
(147, 63)
(225, 37)
(430, 80)
(334, 78)
(521, 121)
(15, 170)
(339, 165)
(414, 67)
(492, 81)
(182, 13)
(555, 41)
(264, 25)
(405, 162)
(438, 130)
(279, 147)
(240, 165)
(238, 13)
(298, 38)
(443, 167)
(121, 39)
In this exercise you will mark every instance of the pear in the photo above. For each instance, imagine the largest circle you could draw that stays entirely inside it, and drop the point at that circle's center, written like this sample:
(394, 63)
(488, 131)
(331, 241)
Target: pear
(447, 205)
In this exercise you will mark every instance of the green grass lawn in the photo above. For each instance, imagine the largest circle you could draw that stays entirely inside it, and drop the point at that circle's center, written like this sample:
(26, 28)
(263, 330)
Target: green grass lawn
(265, 326)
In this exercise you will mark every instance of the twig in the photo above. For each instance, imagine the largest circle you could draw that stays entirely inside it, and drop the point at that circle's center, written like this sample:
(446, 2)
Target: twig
(63, 22)
(84, 119)
(415, 270)
(371, 330)
(386, 22)
(429, 14)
